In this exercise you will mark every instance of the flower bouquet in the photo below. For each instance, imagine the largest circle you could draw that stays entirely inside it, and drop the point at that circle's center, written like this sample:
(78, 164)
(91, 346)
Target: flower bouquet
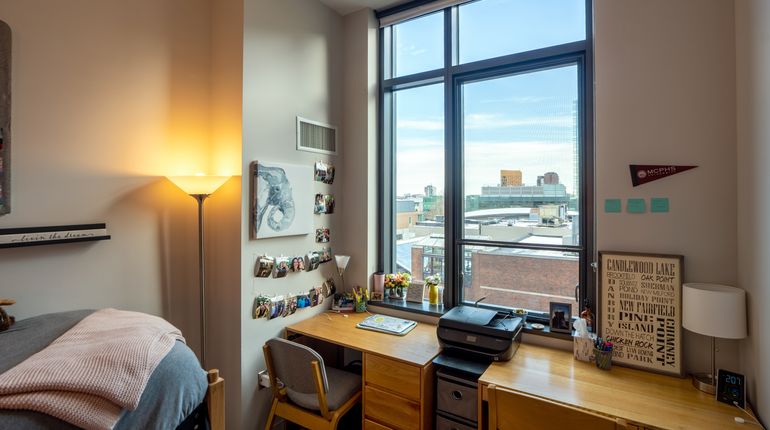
(396, 282)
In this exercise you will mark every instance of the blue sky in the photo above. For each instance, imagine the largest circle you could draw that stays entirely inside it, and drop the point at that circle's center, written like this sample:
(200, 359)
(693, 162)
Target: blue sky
(520, 122)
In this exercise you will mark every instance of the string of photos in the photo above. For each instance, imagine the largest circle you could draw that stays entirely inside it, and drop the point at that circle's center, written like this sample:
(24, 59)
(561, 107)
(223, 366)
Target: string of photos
(285, 305)
(281, 266)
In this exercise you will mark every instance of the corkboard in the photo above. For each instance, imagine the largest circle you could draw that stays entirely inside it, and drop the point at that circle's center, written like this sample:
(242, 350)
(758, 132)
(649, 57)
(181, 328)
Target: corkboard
(641, 309)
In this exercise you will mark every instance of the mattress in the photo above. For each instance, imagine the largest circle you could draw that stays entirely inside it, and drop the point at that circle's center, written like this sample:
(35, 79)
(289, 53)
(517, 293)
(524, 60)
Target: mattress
(177, 386)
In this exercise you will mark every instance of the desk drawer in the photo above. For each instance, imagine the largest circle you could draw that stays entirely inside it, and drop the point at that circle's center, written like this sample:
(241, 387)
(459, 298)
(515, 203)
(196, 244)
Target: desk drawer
(390, 409)
(393, 375)
(443, 423)
(371, 425)
(457, 399)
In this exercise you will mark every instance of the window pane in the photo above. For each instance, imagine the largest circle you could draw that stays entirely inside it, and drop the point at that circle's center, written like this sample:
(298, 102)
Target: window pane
(491, 28)
(521, 158)
(419, 141)
(419, 44)
(520, 278)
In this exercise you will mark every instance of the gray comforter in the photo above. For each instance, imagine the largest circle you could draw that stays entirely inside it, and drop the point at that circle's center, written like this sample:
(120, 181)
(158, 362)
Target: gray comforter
(175, 389)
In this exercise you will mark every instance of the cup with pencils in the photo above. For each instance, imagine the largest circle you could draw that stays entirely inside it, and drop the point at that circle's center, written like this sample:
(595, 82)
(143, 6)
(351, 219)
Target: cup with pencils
(603, 353)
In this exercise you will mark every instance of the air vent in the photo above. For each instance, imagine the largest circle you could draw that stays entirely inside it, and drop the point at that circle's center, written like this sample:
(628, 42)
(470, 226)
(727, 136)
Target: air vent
(314, 136)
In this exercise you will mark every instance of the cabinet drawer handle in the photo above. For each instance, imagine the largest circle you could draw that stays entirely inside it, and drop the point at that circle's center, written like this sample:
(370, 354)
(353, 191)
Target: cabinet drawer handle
(457, 395)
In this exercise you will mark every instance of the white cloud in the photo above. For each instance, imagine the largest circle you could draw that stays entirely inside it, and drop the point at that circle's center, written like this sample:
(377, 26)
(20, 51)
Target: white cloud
(492, 120)
(424, 124)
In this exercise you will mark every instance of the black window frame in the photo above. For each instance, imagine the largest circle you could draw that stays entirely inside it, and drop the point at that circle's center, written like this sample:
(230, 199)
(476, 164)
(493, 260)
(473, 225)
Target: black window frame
(453, 75)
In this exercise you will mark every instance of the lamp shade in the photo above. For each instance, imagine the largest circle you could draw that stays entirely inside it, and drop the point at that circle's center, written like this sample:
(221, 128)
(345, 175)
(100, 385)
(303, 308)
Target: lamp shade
(342, 262)
(198, 184)
(714, 310)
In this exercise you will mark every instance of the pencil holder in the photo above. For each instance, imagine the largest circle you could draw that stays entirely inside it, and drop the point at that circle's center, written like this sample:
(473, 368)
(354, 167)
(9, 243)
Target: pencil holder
(603, 359)
(361, 306)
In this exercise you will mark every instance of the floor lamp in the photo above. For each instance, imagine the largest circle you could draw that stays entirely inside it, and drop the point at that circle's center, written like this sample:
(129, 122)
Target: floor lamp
(199, 187)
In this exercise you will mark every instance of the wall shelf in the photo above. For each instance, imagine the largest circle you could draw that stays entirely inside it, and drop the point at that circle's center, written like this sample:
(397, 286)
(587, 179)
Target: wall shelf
(51, 235)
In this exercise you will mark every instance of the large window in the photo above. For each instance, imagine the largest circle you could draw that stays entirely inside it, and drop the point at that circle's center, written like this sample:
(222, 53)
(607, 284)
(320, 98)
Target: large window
(486, 150)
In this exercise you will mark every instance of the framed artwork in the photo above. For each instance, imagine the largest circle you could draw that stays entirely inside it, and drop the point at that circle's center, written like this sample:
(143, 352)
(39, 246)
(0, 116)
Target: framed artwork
(280, 200)
(640, 297)
(5, 118)
(560, 317)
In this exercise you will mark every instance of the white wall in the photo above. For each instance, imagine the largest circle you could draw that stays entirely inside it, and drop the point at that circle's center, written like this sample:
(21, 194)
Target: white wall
(752, 23)
(665, 94)
(107, 98)
(292, 66)
(359, 155)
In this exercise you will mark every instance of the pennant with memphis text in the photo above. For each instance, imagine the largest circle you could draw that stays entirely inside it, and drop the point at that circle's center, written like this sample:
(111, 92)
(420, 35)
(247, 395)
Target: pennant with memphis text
(644, 173)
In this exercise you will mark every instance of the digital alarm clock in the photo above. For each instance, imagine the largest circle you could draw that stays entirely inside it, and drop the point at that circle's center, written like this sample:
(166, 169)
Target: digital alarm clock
(731, 387)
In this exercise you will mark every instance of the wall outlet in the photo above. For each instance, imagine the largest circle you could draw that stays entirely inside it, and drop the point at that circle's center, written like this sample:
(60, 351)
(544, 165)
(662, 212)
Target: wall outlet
(264, 379)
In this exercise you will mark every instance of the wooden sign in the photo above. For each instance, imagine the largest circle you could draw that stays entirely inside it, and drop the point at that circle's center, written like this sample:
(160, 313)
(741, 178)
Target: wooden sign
(641, 304)
(34, 236)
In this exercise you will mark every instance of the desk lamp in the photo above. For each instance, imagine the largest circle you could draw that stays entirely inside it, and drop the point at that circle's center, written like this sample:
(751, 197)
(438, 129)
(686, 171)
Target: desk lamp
(717, 311)
(342, 263)
(200, 187)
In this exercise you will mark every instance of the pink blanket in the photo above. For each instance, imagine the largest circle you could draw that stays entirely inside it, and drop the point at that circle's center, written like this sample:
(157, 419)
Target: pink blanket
(93, 371)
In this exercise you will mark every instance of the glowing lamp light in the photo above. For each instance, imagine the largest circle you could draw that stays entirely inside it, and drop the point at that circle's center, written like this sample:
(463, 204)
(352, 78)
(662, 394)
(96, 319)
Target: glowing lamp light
(198, 184)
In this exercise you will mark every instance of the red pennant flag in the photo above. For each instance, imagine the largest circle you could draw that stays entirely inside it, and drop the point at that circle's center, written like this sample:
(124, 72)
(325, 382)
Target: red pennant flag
(644, 173)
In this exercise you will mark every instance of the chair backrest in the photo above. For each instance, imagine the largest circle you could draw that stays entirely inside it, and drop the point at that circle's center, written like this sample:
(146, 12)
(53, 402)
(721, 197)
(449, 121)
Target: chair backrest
(291, 363)
(510, 410)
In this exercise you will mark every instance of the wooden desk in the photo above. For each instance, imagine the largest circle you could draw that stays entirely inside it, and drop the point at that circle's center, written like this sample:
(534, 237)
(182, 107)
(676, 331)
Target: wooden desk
(398, 374)
(644, 399)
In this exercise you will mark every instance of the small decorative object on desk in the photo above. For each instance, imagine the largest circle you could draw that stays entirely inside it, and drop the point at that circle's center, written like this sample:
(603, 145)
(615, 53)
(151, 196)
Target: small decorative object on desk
(396, 282)
(603, 353)
(583, 341)
(6, 320)
(361, 297)
(521, 313)
(432, 283)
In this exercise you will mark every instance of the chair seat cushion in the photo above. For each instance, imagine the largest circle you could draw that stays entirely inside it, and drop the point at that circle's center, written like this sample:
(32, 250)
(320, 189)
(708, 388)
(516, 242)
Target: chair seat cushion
(342, 386)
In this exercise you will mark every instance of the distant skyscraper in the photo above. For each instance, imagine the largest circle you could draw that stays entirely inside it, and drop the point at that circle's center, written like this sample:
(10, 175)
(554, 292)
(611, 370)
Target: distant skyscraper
(510, 178)
(540, 181)
(430, 191)
(551, 178)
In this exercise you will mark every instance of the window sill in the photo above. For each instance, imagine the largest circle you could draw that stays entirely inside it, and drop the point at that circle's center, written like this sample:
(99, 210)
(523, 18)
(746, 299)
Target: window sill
(420, 308)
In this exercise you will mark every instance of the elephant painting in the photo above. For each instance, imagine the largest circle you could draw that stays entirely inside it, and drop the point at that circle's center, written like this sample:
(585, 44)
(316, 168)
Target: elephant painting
(278, 207)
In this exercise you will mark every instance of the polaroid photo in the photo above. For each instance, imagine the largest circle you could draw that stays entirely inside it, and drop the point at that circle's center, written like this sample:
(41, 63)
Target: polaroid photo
(332, 287)
(326, 254)
(320, 204)
(261, 307)
(277, 305)
(313, 297)
(264, 266)
(322, 235)
(297, 264)
(329, 203)
(377, 296)
(291, 304)
(321, 169)
(328, 177)
(319, 294)
(281, 267)
(312, 260)
(303, 301)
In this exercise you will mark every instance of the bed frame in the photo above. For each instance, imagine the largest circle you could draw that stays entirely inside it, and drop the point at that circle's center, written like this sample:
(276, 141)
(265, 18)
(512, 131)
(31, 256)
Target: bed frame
(215, 400)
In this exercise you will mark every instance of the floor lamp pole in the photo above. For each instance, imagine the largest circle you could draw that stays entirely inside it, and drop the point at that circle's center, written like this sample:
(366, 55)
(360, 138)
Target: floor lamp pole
(201, 275)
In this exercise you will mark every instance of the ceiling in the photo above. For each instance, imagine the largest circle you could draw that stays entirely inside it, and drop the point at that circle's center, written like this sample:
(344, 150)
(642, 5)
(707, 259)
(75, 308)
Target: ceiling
(345, 7)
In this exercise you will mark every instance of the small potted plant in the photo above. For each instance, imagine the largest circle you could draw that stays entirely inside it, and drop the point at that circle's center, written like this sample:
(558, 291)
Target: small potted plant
(396, 282)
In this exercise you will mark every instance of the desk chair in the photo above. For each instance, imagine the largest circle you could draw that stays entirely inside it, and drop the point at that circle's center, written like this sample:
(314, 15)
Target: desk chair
(510, 410)
(313, 395)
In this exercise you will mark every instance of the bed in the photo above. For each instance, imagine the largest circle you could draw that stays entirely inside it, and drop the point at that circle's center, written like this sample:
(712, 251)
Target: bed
(178, 395)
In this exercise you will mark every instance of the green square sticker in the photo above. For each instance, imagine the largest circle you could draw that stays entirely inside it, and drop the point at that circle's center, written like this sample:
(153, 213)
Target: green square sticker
(659, 204)
(636, 206)
(612, 206)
